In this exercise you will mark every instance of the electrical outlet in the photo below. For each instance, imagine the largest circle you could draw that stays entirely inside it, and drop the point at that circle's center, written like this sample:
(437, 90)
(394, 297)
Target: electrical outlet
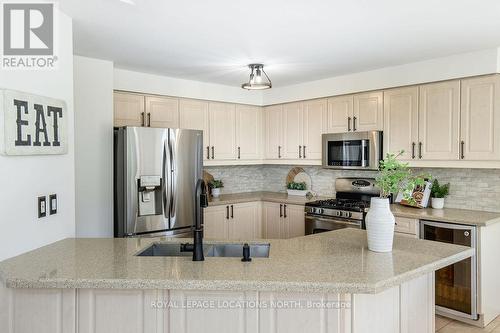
(53, 204)
(42, 207)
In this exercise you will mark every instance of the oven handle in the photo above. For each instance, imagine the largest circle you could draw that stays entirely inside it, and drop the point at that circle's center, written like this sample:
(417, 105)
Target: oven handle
(332, 220)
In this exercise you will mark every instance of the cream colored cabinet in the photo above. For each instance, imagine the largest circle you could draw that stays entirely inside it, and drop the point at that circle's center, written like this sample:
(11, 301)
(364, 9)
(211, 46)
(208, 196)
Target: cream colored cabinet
(368, 114)
(339, 114)
(193, 114)
(401, 121)
(222, 120)
(439, 121)
(162, 112)
(292, 130)
(314, 125)
(273, 132)
(233, 222)
(407, 227)
(283, 220)
(480, 118)
(128, 109)
(248, 132)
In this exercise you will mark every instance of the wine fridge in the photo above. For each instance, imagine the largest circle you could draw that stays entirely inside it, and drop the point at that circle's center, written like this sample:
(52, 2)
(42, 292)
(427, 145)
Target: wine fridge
(456, 285)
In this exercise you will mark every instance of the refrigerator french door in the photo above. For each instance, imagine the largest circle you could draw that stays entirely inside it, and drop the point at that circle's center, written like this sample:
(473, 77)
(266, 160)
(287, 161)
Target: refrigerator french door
(156, 170)
(456, 285)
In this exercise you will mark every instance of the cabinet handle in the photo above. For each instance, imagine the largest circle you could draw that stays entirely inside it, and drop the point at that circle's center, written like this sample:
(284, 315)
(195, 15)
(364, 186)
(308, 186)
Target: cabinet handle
(304, 152)
(300, 151)
(232, 212)
(213, 152)
(420, 150)
(354, 123)
(462, 146)
(413, 150)
(208, 152)
(143, 119)
(281, 210)
(284, 209)
(227, 212)
(348, 124)
(279, 151)
(149, 119)
(239, 152)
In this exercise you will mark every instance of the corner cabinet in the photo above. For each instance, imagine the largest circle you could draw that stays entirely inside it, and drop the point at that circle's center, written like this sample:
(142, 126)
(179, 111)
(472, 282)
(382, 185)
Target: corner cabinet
(233, 222)
(281, 220)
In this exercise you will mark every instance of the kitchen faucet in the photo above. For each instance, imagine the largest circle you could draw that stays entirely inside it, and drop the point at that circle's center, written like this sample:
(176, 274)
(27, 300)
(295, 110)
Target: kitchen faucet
(201, 202)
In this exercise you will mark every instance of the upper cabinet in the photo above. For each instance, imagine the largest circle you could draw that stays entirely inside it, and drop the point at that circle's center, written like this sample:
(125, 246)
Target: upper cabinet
(248, 132)
(314, 125)
(222, 120)
(480, 118)
(439, 121)
(355, 113)
(193, 114)
(339, 114)
(273, 132)
(292, 131)
(162, 112)
(128, 109)
(401, 121)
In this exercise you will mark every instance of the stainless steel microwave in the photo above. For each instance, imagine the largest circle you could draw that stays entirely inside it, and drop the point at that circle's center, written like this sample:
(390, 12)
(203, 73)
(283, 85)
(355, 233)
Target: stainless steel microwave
(353, 150)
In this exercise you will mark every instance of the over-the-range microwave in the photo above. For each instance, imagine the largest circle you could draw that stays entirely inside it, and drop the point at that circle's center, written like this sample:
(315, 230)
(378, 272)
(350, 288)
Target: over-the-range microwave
(352, 150)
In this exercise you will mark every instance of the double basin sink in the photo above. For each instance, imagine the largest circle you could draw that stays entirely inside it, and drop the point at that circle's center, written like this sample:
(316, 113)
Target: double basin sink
(209, 250)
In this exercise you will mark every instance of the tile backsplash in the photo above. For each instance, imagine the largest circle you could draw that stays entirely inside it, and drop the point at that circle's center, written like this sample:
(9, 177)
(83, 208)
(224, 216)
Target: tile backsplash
(477, 189)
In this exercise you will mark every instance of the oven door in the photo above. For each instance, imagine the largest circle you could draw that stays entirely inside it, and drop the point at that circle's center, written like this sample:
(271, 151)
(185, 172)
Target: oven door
(316, 224)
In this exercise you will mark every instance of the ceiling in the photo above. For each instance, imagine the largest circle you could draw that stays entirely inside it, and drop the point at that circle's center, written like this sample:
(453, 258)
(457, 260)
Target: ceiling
(298, 41)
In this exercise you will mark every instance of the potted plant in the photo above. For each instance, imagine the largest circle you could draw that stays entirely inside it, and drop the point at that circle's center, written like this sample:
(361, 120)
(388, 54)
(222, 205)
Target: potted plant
(438, 193)
(215, 186)
(294, 188)
(394, 177)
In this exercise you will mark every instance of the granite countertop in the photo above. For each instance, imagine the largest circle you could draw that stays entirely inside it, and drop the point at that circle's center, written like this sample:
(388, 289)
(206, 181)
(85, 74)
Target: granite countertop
(336, 262)
(228, 199)
(451, 215)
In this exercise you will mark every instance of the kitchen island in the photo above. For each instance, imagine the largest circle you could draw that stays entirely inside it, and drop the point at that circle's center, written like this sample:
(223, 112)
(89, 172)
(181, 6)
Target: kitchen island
(327, 282)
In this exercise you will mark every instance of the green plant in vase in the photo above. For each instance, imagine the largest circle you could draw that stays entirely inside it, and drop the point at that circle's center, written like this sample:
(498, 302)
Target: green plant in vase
(215, 185)
(438, 193)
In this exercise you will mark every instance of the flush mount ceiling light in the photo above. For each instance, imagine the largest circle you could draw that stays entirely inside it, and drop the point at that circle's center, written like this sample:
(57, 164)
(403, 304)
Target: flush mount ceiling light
(258, 78)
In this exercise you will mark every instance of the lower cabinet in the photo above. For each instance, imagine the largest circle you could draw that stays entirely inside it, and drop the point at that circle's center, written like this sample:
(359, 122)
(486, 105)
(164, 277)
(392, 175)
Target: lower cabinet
(234, 222)
(407, 227)
(282, 220)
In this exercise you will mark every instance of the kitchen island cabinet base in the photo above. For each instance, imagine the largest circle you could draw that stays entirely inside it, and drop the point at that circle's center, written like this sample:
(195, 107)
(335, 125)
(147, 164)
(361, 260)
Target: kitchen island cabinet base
(406, 308)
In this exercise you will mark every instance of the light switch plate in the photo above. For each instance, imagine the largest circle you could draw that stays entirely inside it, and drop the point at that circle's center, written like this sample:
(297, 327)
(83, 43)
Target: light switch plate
(53, 204)
(42, 207)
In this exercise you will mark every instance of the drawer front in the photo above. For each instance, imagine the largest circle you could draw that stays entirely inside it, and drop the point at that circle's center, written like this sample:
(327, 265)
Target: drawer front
(406, 226)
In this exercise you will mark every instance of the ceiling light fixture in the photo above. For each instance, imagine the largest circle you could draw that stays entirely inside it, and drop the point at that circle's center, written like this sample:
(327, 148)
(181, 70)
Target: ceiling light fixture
(258, 78)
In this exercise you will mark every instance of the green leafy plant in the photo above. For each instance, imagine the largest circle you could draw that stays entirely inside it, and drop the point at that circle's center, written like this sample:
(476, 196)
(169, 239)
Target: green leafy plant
(439, 191)
(395, 177)
(216, 183)
(297, 186)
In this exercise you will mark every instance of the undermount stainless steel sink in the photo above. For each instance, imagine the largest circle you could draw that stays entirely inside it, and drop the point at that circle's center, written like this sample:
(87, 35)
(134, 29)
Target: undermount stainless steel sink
(210, 250)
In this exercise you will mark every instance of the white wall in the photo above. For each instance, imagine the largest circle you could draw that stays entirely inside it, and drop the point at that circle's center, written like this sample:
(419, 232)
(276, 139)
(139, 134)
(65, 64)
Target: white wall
(164, 85)
(93, 86)
(456, 66)
(24, 178)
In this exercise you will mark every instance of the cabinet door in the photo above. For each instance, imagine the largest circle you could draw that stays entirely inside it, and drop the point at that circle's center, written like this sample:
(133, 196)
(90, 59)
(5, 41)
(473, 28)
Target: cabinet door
(273, 135)
(314, 120)
(339, 110)
(401, 121)
(480, 118)
(215, 222)
(245, 221)
(368, 112)
(294, 222)
(193, 114)
(222, 131)
(292, 130)
(439, 120)
(162, 112)
(128, 109)
(248, 132)
(272, 219)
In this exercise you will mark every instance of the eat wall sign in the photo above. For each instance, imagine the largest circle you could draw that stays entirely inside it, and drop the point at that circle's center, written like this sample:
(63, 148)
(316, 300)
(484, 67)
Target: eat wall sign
(32, 124)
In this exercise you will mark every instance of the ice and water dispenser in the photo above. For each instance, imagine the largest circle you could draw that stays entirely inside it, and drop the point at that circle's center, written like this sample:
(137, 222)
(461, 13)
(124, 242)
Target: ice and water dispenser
(150, 195)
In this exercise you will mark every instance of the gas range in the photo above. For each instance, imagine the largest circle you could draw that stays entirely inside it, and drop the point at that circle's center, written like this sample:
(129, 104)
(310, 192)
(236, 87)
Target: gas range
(348, 210)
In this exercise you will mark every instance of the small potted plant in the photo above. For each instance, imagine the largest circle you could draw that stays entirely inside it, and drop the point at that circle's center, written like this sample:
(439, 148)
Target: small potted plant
(215, 186)
(294, 188)
(394, 177)
(438, 193)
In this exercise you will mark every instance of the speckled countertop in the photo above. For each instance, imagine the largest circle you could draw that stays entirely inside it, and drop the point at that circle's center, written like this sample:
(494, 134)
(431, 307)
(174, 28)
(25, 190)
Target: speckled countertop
(336, 261)
(227, 199)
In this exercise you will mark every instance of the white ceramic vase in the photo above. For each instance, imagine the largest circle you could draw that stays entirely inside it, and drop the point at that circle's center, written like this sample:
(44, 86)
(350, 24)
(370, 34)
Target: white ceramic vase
(380, 225)
(216, 192)
(437, 203)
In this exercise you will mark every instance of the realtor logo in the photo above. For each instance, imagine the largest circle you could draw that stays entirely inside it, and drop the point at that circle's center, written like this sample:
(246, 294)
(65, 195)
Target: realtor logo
(28, 36)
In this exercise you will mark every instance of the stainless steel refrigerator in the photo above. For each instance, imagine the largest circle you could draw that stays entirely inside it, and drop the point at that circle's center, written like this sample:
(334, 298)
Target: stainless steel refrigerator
(155, 176)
